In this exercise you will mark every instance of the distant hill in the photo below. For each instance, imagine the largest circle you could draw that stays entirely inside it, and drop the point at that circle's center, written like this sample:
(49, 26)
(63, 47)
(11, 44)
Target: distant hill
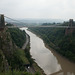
(31, 22)
(41, 20)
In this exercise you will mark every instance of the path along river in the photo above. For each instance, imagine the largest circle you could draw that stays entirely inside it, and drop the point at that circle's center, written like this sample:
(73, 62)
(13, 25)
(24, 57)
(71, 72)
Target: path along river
(50, 61)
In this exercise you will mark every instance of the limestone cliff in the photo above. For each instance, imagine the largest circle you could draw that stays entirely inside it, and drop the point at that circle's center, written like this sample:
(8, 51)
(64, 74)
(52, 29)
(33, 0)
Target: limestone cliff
(7, 48)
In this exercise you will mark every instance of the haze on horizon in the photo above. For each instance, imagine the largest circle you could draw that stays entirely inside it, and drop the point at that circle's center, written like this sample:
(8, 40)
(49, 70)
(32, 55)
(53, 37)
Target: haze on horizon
(45, 9)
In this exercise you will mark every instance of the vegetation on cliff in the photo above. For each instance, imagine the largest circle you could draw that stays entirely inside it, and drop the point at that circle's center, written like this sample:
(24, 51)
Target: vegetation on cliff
(18, 36)
(12, 58)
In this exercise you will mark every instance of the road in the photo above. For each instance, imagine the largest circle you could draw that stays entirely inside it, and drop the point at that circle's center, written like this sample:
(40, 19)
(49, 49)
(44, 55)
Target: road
(27, 41)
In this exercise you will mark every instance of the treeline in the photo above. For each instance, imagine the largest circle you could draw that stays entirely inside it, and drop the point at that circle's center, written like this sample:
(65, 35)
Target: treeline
(65, 23)
(56, 38)
(49, 23)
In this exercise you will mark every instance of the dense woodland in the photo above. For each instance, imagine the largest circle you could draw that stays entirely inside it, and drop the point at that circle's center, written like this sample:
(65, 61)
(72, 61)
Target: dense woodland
(56, 38)
(18, 36)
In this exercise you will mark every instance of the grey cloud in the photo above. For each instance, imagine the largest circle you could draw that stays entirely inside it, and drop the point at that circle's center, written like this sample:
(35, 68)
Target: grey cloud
(61, 9)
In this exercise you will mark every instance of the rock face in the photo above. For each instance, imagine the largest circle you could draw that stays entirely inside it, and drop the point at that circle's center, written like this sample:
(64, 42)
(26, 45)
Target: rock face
(6, 49)
(7, 44)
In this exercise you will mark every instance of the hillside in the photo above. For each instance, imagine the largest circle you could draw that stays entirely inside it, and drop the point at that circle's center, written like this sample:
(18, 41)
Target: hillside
(18, 36)
(12, 58)
(56, 38)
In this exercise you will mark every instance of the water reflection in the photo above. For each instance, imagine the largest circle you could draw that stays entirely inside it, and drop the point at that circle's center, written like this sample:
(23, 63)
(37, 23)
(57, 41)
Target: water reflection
(68, 68)
(51, 62)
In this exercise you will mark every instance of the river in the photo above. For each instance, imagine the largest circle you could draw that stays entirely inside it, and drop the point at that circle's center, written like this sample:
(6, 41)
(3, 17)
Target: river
(50, 61)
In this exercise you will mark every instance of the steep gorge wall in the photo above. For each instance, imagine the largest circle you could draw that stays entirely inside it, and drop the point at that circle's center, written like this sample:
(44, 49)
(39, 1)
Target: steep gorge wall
(7, 48)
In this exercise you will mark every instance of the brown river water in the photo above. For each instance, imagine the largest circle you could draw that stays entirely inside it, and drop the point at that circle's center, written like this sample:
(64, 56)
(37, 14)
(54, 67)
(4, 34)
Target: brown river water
(47, 59)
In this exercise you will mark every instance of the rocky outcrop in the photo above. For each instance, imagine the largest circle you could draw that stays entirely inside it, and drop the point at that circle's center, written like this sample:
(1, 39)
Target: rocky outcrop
(7, 44)
(7, 48)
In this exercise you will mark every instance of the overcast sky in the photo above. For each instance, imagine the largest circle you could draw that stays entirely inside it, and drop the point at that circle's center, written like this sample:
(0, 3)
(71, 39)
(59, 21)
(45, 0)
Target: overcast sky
(53, 9)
